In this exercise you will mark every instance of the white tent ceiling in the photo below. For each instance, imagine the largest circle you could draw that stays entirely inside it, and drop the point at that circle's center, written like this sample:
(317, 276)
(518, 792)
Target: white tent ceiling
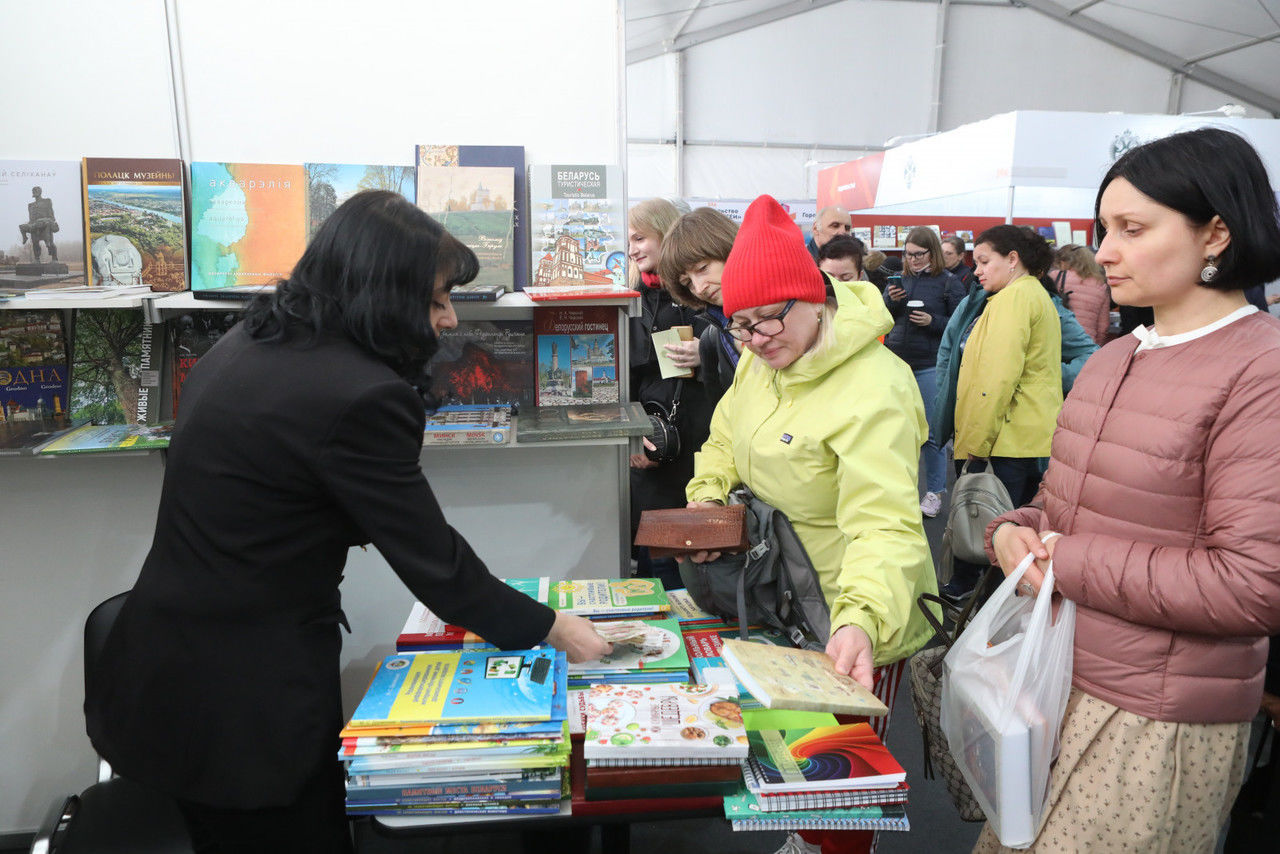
(1231, 45)
(730, 98)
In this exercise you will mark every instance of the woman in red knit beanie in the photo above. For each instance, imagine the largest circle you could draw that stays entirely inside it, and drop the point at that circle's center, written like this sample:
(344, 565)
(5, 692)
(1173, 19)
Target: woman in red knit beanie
(825, 424)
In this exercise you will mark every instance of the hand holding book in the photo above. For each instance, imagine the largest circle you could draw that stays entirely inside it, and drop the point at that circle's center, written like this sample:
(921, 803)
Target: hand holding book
(851, 649)
(576, 637)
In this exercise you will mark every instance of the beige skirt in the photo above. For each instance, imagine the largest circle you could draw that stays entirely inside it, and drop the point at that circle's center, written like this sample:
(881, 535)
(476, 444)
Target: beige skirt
(1125, 783)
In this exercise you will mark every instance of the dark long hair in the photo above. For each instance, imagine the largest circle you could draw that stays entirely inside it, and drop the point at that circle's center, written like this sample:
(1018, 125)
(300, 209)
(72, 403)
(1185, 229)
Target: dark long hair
(1033, 250)
(368, 274)
(1203, 173)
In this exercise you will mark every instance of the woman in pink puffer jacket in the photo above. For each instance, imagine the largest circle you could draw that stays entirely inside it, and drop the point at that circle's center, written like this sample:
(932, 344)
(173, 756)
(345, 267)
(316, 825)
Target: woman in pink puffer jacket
(1159, 507)
(1082, 284)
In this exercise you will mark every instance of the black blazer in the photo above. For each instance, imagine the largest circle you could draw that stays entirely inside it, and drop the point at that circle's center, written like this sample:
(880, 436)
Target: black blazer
(221, 677)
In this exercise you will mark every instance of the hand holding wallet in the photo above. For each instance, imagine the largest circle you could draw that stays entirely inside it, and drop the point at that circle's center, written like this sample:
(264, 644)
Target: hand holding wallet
(688, 530)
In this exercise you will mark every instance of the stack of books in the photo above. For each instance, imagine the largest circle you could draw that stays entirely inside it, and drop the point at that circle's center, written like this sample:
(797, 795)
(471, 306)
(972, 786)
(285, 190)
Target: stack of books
(644, 652)
(468, 732)
(819, 778)
(705, 647)
(666, 740)
(692, 617)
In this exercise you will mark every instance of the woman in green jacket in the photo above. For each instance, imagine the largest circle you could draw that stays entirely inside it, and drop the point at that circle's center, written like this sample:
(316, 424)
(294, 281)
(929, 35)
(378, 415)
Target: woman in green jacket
(1009, 389)
(825, 424)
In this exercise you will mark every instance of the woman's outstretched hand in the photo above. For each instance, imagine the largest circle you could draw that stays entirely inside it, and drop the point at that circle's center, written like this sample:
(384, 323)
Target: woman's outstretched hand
(576, 637)
(850, 648)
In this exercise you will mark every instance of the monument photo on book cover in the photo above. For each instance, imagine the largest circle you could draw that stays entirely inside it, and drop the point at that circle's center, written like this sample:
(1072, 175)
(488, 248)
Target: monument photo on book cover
(577, 355)
(135, 218)
(42, 199)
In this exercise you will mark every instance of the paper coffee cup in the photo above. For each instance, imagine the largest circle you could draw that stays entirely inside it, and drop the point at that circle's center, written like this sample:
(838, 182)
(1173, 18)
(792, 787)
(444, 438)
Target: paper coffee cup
(915, 303)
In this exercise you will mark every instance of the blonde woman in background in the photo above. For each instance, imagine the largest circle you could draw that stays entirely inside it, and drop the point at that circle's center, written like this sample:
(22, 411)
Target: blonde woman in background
(1082, 284)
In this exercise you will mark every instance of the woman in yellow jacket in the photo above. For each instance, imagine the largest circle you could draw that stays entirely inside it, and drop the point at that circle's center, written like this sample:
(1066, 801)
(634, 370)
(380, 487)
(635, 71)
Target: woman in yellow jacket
(1009, 389)
(825, 424)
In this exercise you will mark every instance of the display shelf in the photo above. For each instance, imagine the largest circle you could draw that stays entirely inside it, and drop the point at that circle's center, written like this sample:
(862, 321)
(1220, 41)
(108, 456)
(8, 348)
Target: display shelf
(23, 303)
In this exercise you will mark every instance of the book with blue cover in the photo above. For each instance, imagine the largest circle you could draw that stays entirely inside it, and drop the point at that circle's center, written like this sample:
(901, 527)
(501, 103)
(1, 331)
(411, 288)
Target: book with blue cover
(468, 686)
(98, 438)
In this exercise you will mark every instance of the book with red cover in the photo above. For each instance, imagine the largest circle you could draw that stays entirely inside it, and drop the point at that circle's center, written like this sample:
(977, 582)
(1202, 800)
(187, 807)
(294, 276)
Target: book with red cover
(576, 352)
(817, 759)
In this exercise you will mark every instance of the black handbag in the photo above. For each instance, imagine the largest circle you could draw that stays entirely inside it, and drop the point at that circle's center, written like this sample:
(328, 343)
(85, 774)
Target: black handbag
(666, 435)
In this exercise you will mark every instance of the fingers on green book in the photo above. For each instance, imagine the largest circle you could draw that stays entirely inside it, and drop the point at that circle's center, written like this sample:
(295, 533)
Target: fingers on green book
(799, 679)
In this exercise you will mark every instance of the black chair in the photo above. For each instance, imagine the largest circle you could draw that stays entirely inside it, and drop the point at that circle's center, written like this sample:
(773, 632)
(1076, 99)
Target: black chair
(114, 815)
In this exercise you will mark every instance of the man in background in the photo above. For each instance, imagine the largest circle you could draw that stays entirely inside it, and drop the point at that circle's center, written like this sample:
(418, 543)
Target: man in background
(830, 222)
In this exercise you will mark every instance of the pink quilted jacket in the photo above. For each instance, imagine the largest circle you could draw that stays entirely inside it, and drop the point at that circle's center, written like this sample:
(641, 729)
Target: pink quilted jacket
(1165, 483)
(1090, 301)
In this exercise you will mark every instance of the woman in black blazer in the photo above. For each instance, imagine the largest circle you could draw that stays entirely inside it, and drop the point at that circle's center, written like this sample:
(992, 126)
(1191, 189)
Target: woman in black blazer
(298, 437)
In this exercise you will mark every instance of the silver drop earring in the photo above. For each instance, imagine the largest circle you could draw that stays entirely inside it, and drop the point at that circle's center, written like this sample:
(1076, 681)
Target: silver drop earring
(1210, 271)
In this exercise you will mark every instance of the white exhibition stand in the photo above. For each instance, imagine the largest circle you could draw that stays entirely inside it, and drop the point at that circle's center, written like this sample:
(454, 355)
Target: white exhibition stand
(263, 82)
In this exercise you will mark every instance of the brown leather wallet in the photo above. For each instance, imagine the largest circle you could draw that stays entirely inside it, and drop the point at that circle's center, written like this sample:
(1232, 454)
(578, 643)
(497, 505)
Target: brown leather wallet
(686, 530)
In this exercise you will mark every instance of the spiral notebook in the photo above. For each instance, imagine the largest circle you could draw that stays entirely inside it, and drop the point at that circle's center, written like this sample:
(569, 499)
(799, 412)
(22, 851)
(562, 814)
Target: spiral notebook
(744, 812)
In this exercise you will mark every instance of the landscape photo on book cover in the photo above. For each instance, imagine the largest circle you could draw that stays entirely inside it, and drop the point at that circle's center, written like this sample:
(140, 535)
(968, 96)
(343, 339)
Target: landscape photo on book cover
(331, 184)
(135, 216)
(474, 204)
(46, 248)
(246, 223)
(112, 378)
(485, 362)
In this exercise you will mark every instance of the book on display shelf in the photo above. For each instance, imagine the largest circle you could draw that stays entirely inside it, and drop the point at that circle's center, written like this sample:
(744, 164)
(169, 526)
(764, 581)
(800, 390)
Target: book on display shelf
(99, 438)
(135, 222)
(593, 421)
(470, 686)
(644, 651)
(689, 614)
(328, 185)
(576, 348)
(706, 647)
(486, 362)
(248, 223)
(492, 808)
(190, 337)
(744, 812)
(534, 776)
(43, 197)
(506, 156)
(25, 438)
(820, 759)
(116, 359)
(578, 231)
(35, 377)
(801, 679)
(781, 801)
(468, 425)
(471, 292)
(672, 721)
(474, 204)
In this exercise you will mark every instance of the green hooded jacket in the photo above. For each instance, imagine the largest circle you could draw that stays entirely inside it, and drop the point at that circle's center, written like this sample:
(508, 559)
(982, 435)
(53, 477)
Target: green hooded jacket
(833, 440)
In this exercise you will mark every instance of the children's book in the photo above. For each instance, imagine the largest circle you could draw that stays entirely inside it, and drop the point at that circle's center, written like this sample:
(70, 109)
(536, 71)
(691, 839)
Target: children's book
(247, 223)
(470, 686)
(578, 234)
(576, 350)
(802, 679)
(689, 614)
(667, 721)
(466, 424)
(485, 362)
(651, 645)
(475, 205)
(609, 597)
(135, 219)
(98, 438)
(506, 156)
(328, 185)
(846, 756)
(115, 367)
(593, 421)
(744, 812)
(43, 199)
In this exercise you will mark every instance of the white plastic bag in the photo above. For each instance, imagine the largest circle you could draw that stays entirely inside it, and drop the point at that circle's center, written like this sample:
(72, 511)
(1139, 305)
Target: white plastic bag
(1004, 691)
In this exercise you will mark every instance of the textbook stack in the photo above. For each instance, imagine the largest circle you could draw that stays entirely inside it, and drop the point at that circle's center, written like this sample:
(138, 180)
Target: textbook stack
(466, 732)
(672, 739)
(644, 652)
(705, 647)
(819, 778)
(691, 617)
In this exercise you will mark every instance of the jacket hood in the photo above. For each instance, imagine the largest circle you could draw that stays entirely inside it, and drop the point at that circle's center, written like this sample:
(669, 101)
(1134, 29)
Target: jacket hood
(860, 320)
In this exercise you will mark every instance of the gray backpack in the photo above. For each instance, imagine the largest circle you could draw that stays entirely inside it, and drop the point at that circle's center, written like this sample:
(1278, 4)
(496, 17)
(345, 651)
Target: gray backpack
(773, 585)
(977, 498)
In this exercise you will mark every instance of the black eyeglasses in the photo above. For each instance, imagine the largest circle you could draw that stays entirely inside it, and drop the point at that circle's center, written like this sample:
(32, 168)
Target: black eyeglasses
(767, 326)
(923, 253)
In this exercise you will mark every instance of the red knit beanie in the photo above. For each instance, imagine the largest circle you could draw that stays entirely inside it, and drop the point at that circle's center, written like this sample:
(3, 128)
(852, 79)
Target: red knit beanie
(769, 262)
